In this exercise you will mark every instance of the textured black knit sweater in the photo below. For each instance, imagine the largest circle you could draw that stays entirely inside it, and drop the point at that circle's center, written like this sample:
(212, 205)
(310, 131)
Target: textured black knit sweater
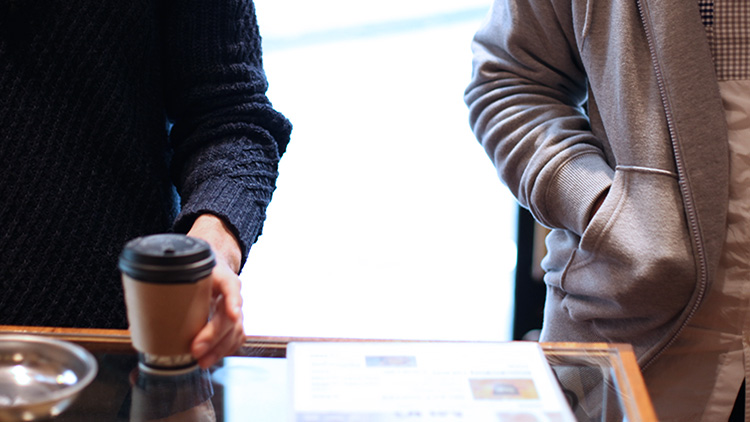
(88, 89)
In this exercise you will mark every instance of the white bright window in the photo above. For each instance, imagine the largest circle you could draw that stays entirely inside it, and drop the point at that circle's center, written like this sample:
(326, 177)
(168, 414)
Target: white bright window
(389, 220)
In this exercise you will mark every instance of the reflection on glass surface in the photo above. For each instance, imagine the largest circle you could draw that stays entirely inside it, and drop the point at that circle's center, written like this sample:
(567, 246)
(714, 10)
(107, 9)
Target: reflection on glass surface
(122, 393)
(248, 388)
(181, 398)
(239, 389)
(595, 383)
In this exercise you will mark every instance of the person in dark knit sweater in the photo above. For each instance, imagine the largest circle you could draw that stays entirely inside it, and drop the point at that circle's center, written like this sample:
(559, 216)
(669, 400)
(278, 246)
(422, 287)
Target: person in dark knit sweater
(120, 119)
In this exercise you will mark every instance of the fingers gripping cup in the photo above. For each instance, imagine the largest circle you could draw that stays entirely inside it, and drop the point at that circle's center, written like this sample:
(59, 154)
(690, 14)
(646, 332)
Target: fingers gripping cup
(167, 295)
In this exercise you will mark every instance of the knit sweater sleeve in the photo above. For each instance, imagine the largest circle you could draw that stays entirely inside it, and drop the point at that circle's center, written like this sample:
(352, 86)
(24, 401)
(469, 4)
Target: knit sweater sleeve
(226, 136)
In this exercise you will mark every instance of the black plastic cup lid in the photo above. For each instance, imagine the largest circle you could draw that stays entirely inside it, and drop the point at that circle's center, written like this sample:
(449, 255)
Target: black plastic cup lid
(167, 258)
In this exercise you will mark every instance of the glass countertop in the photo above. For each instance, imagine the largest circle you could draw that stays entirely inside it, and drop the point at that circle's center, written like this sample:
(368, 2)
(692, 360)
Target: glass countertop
(601, 382)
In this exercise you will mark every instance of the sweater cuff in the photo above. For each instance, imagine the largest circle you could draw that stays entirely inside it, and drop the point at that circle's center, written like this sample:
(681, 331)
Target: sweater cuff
(242, 212)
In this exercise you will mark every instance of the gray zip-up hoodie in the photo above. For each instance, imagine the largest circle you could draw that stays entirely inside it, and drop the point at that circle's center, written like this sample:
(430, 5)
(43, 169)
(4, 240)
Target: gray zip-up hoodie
(576, 98)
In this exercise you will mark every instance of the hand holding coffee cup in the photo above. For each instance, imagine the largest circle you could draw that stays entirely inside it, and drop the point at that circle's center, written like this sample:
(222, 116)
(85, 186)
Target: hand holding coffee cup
(167, 294)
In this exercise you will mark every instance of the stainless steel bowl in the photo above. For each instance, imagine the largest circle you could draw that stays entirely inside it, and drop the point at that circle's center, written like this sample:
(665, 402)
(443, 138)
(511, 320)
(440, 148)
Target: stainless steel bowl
(41, 376)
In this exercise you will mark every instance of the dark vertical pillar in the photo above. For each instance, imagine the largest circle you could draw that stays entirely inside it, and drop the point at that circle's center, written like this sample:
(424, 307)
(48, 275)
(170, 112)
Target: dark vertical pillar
(529, 292)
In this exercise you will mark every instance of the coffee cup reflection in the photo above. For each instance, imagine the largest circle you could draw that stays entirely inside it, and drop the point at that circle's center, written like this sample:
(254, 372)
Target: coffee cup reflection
(164, 398)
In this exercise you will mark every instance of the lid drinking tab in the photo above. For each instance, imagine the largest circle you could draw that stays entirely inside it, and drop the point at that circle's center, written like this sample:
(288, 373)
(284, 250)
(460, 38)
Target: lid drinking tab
(167, 258)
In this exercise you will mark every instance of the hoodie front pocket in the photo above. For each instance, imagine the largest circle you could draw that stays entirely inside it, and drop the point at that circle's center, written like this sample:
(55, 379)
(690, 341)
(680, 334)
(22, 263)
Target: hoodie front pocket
(635, 259)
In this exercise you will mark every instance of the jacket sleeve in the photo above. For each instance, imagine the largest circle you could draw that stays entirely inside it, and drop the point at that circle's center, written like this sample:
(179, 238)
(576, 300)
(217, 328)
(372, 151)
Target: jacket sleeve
(526, 106)
(226, 136)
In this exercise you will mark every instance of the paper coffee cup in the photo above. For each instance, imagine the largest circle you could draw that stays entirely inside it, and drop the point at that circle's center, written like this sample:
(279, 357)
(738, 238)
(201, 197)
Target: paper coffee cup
(167, 295)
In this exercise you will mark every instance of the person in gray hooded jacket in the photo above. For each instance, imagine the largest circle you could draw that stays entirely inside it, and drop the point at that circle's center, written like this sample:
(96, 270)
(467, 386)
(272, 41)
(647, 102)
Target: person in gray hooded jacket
(605, 120)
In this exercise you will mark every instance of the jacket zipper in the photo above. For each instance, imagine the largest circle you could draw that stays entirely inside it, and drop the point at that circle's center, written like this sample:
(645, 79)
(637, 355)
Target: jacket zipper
(687, 197)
